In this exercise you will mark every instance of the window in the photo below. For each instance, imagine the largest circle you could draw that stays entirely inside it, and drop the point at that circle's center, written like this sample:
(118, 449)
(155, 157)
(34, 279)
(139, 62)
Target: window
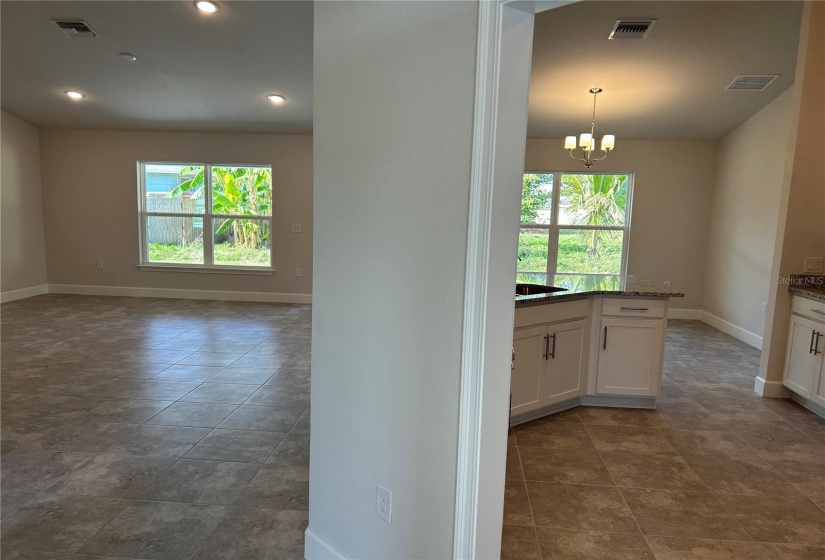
(574, 229)
(205, 216)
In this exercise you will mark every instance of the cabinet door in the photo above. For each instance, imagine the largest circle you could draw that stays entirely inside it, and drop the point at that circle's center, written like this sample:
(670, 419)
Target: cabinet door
(564, 373)
(630, 357)
(526, 376)
(819, 394)
(800, 361)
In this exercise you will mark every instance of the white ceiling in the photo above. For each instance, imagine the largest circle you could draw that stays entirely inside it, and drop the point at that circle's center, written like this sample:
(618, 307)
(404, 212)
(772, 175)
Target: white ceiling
(198, 72)
(194, 72)
(670, 85)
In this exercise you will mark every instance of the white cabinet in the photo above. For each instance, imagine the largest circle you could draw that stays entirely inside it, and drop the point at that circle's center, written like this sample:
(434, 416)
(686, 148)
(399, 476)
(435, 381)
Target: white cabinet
(564, 373)
(802, 360)
(528, 369)
(549, 365)
(630, 356)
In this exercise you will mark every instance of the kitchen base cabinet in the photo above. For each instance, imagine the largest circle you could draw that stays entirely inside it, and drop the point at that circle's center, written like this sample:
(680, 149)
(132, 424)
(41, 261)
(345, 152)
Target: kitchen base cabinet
(564, 372)
(561, 361)
(526, 377)
(630, 356)
(804, 363)
(549, 365)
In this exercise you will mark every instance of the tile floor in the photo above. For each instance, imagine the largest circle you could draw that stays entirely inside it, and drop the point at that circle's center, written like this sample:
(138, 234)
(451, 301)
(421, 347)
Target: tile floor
(715, 473)
(154, 429)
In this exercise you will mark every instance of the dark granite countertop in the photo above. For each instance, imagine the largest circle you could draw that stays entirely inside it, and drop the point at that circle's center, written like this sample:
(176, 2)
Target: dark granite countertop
(811, 286)
(611, 286)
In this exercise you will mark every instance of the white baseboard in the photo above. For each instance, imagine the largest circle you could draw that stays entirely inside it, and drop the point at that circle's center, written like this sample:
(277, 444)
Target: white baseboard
(316, 548)
(178, 293)
(735, 331)
(23, 293)
(769, 389)
(689, 314)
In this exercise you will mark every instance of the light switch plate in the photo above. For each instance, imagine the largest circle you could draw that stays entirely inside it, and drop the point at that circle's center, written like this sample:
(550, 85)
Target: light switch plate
(813, 265)
(296, 228)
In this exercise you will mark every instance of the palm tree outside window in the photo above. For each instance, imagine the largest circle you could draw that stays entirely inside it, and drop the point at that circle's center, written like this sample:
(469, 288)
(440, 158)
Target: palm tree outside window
(574, 229)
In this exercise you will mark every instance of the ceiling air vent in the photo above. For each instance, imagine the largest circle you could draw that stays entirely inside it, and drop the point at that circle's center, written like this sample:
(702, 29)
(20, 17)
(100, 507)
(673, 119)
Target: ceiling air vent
(631, 28)
(75, 28)
(752, 82)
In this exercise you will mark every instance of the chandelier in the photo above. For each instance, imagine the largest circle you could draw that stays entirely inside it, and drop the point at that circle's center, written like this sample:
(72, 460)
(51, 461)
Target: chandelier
(587, 142)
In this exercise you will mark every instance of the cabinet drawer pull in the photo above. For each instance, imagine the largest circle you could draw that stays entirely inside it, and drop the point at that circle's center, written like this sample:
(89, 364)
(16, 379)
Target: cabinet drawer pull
(811, 345)
(635, 308)
(817, 311)
(604, 344)
(816, 344)
(553, 351)
(546, 347)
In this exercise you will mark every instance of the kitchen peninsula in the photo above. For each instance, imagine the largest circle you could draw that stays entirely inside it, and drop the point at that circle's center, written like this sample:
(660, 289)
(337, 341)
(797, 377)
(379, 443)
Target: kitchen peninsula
(592, 345)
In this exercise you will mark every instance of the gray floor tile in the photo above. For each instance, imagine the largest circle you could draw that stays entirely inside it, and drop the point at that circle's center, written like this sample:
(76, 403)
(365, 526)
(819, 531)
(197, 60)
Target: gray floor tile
(159, 390)
(220, 393)
(206, 482)
(278, 487)
(243, 375)
(197, 415)
(282, 397)
(156, 530)
(191, 374)
(256, 534)
(236, 445)
(262, 418)
(58, 523)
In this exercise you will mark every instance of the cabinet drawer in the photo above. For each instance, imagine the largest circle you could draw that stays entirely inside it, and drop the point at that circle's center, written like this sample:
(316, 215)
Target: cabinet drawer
(809, 308)
(631, 307)
(551, 313)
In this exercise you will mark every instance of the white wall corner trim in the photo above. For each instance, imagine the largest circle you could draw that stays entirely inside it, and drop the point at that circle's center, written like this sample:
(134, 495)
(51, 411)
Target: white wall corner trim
(687, 314)
(125, 291)
(735, 331)
(769, 389)
(475, 281)
(316, 548)
(23, 293)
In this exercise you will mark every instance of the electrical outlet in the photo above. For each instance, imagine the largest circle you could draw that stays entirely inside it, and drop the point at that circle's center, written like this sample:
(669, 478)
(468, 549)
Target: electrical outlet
(666, 283)
(296, 228)
(813, 264)
(100, 265)
(764, 309)
(383, 503)
(298, 272)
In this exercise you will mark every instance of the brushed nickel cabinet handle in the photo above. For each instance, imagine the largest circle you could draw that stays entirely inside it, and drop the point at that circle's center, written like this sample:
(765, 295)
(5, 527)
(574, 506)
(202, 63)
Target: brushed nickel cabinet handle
(811, 345)
(635, 308)
(553, 351)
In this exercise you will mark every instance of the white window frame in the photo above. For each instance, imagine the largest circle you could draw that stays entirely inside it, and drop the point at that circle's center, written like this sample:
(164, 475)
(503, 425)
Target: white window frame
(554, 227)
(208, 217)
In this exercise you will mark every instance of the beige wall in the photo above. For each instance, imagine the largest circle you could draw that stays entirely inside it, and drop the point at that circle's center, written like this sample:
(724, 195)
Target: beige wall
(673, 188)
(23, 248)
(90, 204)
(745, 215)
(801, 227)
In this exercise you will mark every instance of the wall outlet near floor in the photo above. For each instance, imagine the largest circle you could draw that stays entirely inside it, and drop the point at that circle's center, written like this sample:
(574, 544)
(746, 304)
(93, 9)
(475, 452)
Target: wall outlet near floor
(383, 503)
(99, 265)
(298, 272)
(296, 228)
(666, 283)
(813, 265)
(764, 308)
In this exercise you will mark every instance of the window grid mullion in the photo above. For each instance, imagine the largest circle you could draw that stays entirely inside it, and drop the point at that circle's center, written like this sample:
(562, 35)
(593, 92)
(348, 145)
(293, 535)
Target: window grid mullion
(208, 248)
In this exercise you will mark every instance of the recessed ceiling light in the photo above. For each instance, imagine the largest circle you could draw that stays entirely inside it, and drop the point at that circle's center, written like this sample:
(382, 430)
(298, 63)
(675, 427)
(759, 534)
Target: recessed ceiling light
(74, 94)
(128, 56)
(275, 98)
(206, 6)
